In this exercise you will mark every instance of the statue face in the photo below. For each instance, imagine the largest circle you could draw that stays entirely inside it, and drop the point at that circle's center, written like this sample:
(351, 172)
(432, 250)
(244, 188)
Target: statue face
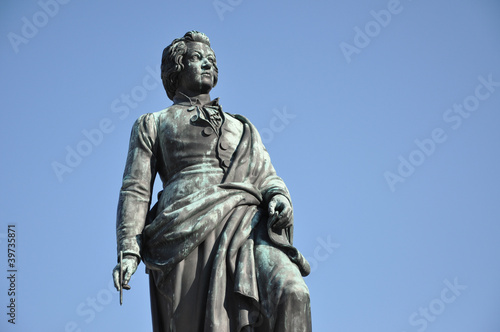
(198, 75)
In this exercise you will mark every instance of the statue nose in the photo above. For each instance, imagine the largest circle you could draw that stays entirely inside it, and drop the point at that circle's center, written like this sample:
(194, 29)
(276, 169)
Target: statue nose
(206, 64)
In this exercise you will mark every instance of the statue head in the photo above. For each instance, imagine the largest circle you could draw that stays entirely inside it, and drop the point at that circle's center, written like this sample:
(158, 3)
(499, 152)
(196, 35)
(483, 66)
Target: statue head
(173, 62)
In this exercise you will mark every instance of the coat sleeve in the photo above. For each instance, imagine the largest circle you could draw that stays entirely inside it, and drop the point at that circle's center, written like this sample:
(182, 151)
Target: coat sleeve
(138, 179)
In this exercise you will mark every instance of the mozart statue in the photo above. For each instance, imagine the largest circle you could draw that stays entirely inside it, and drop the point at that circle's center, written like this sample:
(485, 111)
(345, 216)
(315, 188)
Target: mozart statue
(218, 243)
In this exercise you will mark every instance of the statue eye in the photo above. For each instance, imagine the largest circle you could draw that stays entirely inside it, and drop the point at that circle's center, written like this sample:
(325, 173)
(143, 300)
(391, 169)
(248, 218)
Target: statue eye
(194, 57)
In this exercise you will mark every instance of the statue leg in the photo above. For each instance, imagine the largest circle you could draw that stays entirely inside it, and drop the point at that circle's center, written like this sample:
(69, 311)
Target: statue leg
(284, 296)
(161, 309)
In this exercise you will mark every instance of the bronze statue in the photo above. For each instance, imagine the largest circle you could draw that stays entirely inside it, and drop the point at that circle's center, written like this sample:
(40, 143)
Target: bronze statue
(218, 243)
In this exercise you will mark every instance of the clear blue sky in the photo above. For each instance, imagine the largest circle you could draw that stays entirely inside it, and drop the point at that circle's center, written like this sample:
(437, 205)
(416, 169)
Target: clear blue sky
(381, 116)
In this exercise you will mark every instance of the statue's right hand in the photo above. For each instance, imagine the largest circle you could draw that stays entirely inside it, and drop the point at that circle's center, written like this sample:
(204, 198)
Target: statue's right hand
(129, 265)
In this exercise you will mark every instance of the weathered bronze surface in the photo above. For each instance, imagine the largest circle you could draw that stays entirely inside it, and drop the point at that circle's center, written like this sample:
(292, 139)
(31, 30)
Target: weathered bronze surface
(218, 243)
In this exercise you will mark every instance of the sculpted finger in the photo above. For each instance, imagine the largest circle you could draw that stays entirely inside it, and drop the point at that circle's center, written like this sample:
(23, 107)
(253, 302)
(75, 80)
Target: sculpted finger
(285, 210)
(278, 224)
(272, 220)
(279, 221)
(116, 277)
(127, 274)
(285, 219)
(288, 223)
(271, 207)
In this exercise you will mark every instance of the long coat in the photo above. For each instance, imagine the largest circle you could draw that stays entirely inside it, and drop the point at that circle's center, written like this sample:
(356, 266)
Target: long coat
(214, 263)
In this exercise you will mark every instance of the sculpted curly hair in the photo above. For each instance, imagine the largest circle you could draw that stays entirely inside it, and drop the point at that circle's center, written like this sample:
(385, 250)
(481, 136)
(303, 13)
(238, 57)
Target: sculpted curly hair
(171, 60)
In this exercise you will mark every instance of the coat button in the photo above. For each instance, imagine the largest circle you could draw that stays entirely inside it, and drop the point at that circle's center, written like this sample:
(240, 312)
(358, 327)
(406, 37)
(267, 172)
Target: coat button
(194, 118)
(224, 145)
(192, 108)
(225, 163)
(208, 131)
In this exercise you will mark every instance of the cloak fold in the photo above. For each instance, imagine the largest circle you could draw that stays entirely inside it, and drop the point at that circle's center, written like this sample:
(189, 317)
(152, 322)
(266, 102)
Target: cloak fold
(240, 204)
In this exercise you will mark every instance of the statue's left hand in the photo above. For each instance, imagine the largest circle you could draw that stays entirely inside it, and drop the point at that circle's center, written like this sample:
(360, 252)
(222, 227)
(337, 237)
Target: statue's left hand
(280, 212)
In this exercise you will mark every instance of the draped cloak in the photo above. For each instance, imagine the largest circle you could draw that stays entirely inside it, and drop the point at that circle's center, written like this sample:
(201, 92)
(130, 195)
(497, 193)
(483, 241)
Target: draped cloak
(200, 242)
